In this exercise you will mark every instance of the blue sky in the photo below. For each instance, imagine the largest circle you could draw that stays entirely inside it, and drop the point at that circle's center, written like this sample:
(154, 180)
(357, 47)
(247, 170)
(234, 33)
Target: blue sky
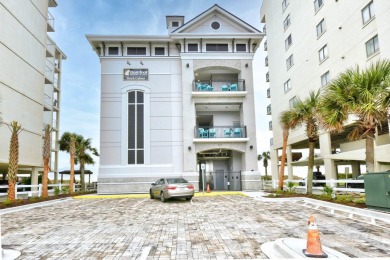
(80, 90)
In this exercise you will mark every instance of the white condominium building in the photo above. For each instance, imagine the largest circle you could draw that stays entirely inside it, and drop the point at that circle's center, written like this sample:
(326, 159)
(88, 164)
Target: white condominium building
(309, 43)
(181, 104)
(30, 82)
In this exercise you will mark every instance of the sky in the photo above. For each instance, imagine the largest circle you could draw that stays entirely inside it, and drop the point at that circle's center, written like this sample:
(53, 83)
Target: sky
(80, 83)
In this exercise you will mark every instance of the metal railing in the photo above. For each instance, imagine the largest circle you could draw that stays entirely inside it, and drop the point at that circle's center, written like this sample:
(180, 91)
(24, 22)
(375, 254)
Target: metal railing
(218, 85)
(220, 132)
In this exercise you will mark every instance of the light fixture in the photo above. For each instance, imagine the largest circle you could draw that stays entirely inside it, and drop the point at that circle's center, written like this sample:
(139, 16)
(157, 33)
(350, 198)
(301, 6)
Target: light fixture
(251, 147)
(141, 62)
(188, 65)
(189, 148)
(246, 65)
(128, 63)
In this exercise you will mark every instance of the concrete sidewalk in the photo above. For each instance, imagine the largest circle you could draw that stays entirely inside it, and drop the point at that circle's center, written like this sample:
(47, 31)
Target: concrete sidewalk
(208, 227)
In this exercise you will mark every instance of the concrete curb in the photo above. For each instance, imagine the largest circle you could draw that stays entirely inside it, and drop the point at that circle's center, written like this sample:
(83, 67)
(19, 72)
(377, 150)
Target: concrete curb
(33, 205)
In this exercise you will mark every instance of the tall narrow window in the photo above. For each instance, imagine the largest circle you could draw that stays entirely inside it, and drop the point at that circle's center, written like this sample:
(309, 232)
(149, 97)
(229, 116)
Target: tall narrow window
(368, 12)
(287, 86)
(288, 42)
(372, 46)
(285, 4)
(323, 53)
(318, 4)
(135, 127)
(292, 102)
(325, 79)
(321, 28)
(286, 22)
(290, 62)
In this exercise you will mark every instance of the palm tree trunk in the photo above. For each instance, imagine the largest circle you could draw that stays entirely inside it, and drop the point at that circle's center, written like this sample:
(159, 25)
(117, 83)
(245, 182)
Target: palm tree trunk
(13, 159)
(71, 177)
(283, 160)
(310, 168)
(266, 175)
(44, 178)
(370, 152)
(82, 175)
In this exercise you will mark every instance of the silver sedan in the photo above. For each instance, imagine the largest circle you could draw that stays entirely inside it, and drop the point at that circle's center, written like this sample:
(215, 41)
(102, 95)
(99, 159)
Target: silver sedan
(166, 188)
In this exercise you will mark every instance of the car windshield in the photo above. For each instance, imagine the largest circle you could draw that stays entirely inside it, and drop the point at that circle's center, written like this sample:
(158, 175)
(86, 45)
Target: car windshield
(176, 180)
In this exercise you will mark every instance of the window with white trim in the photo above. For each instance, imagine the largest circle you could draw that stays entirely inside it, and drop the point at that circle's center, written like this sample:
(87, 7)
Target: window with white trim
(323, 53)
(241, 47)
(288, 42)
(287, 86)
(321, 28)
(368, 12)
(290, 62)
(193, 47)
(292, 102)
(113, 50)
(135, 125)
(218, 47)
(372, 46)
(136, 50)
(325, 79)
(286, 22)
(318, 4)
(159, 51)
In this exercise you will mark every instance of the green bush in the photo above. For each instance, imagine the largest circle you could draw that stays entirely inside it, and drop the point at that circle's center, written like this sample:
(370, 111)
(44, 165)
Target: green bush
(290, 187)
(327, 190)
(56, 191)
(7, 202)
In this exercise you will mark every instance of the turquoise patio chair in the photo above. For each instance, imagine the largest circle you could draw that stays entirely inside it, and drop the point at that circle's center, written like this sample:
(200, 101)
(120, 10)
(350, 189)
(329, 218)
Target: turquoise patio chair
(237, 132)
(212, 132)
(224, 88)
(233, 87)
(203, 133)
(227, 132)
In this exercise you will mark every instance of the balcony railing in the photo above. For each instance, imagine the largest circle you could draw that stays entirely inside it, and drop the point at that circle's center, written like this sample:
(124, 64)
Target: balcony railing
(267, 77)
(269, 110)
(50, 48)
(270, 125)
(50, 22)
(268, 92)
(218, 85)
(220, 132)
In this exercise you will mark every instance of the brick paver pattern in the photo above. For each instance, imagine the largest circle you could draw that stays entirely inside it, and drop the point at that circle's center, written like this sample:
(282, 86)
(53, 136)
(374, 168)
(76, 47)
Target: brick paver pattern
(221, 227)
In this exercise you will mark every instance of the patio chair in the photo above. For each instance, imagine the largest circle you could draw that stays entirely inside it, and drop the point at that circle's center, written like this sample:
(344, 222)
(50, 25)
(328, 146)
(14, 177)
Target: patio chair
(224, 88)
(233, 87)
(237, 132)
(227, 132)
(203, 133)
(212, 132)
(207, 87)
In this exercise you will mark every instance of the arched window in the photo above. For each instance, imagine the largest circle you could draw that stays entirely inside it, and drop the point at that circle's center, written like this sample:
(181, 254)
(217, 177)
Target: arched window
(135, 127)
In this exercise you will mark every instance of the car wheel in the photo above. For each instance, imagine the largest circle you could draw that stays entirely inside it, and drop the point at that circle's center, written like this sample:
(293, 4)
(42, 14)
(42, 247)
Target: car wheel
(162, 198)
(189, 198)
(151, 194)
(349, 186)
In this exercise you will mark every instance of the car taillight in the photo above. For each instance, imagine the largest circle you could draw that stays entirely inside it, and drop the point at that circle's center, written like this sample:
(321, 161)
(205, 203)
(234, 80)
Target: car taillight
(171, 187)
(190, 187)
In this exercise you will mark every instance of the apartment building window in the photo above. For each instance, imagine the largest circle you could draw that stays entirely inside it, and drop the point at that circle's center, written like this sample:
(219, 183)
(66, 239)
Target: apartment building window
(265, 45)
(136, 50)
(240, 47)
(325, 79)
(285, 3)
(219, 47)
(113, 50)
(286, 22)
(323, 53)
(368, 12)
(321, 28)
(159, 51)
(287, 86)
(288, 42)
(193, 47)
(292, 102)
(135, 127)
(372, 46)
(318, 4)
(290, 62)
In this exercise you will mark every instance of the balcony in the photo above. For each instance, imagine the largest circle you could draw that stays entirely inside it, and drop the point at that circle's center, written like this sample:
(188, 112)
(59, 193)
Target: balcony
(50, 22)
(269, 110)
(268, 92)
(265, 46)
(47, 103)
(218, 86)
(52, 3)
(50, 48)
(214, 132)
(267, 77)
(265, 29)
(266, 61)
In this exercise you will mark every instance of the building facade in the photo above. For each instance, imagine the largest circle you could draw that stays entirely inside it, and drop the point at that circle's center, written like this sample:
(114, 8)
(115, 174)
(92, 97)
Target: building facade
(308, 44)
(30, 82)
(179, 105)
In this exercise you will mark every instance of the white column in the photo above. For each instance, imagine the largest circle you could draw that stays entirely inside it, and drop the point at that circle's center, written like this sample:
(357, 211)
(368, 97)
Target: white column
(289, 161)
(355, 168)
(326, 151)
(274, 164)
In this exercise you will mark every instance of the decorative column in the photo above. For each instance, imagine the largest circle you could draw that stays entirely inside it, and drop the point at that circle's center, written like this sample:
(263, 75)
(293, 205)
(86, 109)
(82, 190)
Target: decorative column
(34, 179)
(289, 161)
(274, 164)
(326, 152)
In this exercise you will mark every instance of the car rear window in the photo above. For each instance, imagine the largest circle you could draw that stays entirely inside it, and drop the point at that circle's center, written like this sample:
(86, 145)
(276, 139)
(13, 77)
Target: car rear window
(176, 180)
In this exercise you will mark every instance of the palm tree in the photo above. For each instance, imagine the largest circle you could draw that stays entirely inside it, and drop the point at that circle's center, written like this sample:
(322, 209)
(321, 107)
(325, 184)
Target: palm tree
(364, 94)
(287, 122)
(15, 128)
(307, 112)
(83, 147)
(46, 160)
(68, 143)
(265, 156)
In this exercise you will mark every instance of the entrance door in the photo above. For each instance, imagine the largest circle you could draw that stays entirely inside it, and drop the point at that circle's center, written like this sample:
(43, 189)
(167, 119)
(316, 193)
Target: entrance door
(220, 180)
(235, 181)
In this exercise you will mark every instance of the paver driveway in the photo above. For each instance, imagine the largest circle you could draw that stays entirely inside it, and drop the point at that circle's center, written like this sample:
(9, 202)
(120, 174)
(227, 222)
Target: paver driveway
(219, 227)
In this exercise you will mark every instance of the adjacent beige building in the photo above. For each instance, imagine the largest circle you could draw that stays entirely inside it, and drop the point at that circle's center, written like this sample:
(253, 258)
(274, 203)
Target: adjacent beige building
(30, 81)
(308, 44)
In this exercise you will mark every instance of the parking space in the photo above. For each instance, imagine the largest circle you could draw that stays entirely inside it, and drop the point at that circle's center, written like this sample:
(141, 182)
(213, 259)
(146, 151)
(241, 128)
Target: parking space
(216, 227)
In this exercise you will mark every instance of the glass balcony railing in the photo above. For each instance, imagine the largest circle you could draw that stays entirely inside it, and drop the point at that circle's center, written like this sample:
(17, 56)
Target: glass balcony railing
(50, 22)
(218, 85)
(220, 132)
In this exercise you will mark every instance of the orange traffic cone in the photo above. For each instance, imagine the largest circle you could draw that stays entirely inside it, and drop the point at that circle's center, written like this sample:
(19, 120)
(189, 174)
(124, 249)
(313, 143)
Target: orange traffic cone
(313, 246)
(208, 188)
